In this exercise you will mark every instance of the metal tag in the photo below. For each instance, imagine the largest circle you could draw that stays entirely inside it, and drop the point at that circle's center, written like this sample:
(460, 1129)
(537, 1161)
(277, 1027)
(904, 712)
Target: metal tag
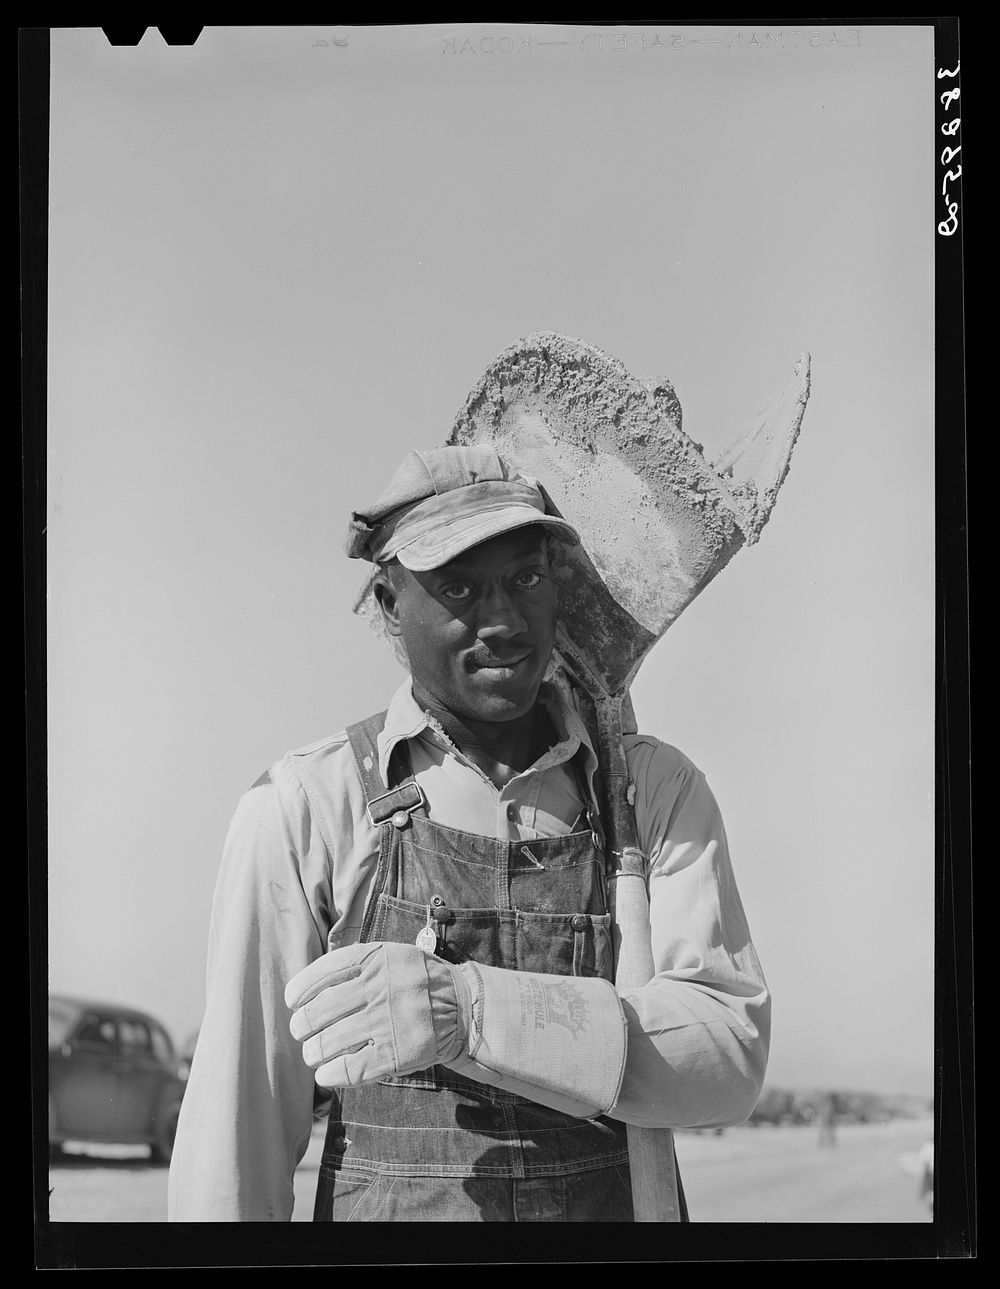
(426, 939)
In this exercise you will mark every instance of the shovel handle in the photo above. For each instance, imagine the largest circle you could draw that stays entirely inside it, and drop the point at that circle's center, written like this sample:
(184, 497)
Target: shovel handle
(652, 1162)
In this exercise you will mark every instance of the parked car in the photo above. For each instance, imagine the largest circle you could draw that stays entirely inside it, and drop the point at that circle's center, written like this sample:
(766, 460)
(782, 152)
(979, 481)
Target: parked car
(113, 1077)
(187, 1055)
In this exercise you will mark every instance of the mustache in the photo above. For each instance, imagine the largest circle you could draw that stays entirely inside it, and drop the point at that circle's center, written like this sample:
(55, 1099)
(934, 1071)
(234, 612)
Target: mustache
(482, 657)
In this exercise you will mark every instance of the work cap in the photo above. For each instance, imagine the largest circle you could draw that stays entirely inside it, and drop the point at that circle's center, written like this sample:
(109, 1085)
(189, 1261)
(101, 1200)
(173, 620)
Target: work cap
(441, 502)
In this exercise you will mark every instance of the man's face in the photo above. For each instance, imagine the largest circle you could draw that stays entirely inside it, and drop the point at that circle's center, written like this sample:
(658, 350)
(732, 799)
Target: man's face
(479, 630)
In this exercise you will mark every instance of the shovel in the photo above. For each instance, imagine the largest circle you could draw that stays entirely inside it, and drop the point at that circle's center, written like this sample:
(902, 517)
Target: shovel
(657, 523)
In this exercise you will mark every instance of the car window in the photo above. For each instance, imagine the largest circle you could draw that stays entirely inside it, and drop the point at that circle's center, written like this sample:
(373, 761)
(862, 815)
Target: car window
(97, 1031)
(134, 1037)
(163, 1049)
(61, 1020)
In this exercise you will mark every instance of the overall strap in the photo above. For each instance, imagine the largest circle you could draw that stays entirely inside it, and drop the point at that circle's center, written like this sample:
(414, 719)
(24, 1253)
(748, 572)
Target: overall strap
(589, 816)
(383, 802)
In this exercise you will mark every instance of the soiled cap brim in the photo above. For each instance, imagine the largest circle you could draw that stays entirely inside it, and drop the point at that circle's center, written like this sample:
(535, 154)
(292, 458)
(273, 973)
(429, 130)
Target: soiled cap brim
(458, 535)
(432, 531)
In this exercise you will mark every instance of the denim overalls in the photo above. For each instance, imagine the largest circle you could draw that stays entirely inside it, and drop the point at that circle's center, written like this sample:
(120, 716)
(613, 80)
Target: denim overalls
(436, 1146)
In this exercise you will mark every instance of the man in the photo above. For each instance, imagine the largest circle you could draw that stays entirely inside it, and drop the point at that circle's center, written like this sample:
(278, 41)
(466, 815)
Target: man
(411, 919)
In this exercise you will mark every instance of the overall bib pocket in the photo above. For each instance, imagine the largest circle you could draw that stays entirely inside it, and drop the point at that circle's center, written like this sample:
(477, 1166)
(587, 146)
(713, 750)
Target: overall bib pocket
(576, 944)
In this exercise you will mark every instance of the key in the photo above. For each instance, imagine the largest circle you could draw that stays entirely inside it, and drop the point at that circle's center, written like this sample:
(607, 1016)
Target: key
(427, 935)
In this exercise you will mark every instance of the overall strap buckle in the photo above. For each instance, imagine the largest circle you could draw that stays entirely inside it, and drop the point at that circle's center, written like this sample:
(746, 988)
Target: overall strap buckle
(401, 801)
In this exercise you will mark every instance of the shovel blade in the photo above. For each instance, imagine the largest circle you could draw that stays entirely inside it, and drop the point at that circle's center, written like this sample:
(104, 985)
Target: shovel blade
(657, 521)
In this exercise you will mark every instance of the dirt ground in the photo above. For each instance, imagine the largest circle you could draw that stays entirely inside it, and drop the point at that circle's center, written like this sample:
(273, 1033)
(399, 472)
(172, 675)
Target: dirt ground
(743, 1175)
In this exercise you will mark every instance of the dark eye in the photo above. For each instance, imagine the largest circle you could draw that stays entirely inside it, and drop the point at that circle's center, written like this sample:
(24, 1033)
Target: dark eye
(457, 590)
(528, 581)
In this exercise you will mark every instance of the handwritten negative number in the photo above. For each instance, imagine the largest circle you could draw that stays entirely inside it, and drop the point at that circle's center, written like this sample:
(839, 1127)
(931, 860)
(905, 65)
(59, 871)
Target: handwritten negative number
(950, 128)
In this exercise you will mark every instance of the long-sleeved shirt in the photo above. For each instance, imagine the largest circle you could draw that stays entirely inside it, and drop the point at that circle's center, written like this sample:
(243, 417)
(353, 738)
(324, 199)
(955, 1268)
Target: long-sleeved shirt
(298, 865)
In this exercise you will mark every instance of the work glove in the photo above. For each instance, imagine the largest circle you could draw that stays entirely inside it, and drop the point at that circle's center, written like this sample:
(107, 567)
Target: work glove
(367, 1011)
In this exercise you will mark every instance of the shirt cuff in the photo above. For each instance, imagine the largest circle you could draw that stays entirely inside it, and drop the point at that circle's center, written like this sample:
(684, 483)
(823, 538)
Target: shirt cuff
(451, 1007)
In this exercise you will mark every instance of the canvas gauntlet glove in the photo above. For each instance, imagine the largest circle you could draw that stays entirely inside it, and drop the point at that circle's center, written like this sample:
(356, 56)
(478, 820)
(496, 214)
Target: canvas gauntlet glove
(368, 1011)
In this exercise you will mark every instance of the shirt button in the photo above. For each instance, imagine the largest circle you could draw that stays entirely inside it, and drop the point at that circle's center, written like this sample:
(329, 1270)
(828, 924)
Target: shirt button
(512, 812)
(579, 922)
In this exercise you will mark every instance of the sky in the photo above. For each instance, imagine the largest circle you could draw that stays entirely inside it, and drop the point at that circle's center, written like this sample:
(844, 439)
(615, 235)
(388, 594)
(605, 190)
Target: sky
(279, 260)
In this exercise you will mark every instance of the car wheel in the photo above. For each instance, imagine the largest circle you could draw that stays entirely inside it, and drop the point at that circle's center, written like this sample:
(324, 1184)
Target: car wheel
(166, 1130)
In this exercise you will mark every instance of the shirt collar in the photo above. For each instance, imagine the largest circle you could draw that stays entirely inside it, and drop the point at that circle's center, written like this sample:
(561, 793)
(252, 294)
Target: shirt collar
(405, 719)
